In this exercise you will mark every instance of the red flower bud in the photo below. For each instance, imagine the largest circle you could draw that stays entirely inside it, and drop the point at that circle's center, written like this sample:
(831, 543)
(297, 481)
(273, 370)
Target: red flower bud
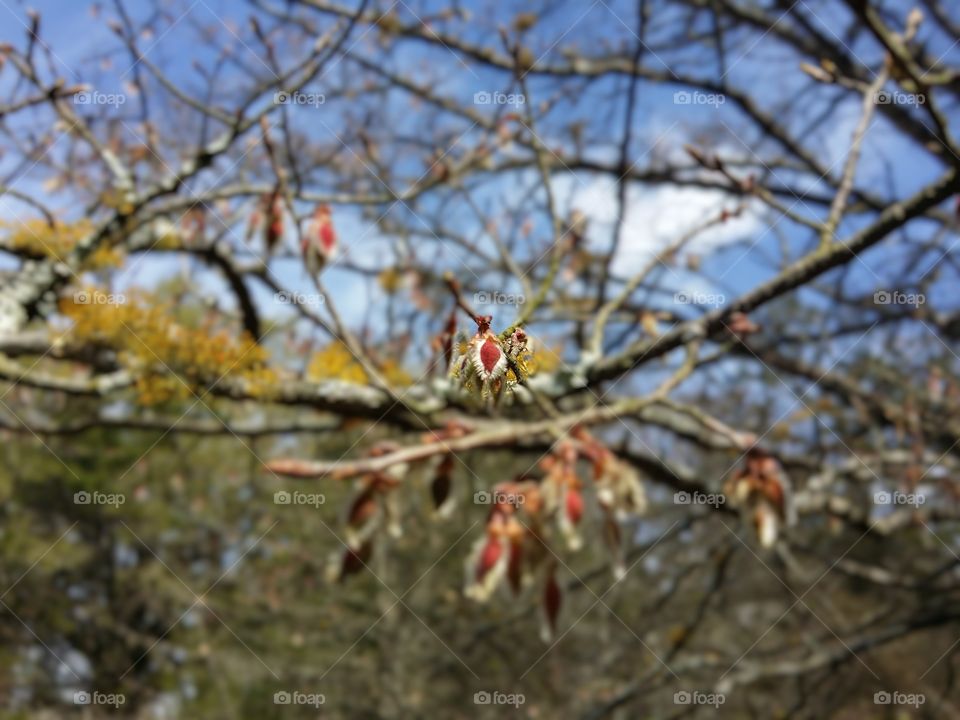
(363, 509)
(515, 568)
(488, 557)
(440, 487)
(574, 506)
(274, 230)
(354, 560)
(489, 355)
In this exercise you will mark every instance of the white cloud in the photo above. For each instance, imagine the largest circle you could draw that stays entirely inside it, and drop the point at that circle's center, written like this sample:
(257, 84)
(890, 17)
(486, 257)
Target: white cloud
(657, 216)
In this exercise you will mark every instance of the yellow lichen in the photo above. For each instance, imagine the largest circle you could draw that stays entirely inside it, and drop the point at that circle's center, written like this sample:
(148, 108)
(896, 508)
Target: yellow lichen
(38, 237)
(170, 360)
(391, 280)
(545, 360)
(336, 362)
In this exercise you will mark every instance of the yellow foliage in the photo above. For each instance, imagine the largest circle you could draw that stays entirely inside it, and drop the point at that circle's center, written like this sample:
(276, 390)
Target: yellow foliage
(545, 360)
(40, 238)
(391, 280)
(336, 362)
(116, 200)
(170, 240)
(169, 360)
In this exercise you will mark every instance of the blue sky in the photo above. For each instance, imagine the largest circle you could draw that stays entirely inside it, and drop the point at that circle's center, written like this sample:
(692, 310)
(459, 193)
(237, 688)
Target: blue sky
(84, 50)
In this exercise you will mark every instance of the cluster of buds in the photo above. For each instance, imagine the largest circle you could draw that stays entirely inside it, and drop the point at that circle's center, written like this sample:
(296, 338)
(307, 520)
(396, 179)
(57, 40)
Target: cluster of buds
(619, 490)
(373, 507)
(513, 550)
(562, 492)
(762, 490)
(620, 494)
(487, 366)
(515, 543)
(528, 516)
(617, 485)
(511, 529)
